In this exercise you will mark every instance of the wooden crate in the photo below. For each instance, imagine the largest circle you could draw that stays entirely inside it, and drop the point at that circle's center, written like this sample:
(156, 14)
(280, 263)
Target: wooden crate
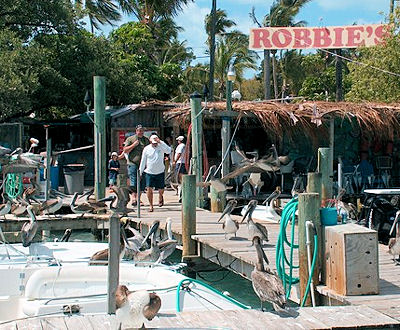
(351, 259)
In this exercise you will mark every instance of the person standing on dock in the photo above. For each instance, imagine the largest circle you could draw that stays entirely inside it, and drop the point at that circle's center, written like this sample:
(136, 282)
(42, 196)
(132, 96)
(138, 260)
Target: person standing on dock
(134, 146)
(179, 158)
(152, 164)
(113, 168)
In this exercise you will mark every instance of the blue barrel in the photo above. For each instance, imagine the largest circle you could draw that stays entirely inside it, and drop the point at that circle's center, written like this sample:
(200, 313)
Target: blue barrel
(54, 177)
(329, 216)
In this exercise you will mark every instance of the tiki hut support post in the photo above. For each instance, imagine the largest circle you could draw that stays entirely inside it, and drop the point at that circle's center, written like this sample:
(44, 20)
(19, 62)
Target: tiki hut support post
(331, 145)
(197, 146)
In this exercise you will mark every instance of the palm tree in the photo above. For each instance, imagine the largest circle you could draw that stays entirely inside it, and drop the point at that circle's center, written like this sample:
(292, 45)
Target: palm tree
(232, 48)
(100, 12)
(222, 23)
(282, 13)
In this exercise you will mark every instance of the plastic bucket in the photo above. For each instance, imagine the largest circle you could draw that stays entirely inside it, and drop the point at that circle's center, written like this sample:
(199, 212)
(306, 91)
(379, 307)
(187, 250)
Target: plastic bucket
(329, 216)
(74, 175)
(54, 179)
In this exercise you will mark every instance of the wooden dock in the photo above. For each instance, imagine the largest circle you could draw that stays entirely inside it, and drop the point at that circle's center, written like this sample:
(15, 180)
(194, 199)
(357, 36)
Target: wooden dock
(339, 317)
(235, 254)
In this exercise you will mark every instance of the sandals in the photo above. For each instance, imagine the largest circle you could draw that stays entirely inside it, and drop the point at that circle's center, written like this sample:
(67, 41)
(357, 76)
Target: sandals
(151, 209)
(161, 202)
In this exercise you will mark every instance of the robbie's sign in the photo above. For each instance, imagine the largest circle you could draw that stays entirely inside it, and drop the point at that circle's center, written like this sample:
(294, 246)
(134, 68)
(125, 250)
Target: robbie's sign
(316, 37)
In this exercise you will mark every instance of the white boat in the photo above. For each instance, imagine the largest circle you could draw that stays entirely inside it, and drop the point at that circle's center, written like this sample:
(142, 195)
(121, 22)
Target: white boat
(55, 278)
(262, 212)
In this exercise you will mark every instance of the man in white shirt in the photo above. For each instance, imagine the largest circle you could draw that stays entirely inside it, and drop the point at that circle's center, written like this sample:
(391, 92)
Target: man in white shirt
(152, 163)
(179, 158)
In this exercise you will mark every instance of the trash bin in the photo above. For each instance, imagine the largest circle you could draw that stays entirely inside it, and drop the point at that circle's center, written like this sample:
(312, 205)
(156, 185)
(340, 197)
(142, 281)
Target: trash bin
(74, 176)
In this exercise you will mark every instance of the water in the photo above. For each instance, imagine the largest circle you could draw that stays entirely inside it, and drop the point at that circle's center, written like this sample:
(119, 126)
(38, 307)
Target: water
(223, 280)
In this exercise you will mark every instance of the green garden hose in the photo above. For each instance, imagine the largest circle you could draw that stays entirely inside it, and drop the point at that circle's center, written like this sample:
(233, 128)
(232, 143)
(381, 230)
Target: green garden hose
(14, 185)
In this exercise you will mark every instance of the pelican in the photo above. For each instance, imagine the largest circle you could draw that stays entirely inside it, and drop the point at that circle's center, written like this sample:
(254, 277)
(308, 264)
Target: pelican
(230, 206)
(4, 151)
(256, 183)
(101, 257)
(29, 229)
(394, 243)
(254, 228)
(269, 207)
(120, 199)
(230, 226)
(67, 235)
(92, 201)
(5, 208)
(51, 206)
(135, 308)
(19, 207)
(80, 208)
(266, 284)
(167, 246)
(153, 253)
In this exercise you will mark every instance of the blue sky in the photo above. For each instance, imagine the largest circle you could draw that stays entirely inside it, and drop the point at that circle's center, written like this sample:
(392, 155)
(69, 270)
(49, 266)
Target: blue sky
(315, 13)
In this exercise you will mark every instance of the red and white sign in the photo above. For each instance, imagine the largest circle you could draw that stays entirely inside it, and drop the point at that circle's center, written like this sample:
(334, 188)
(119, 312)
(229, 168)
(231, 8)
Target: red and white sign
(317, 37)
(121, 140)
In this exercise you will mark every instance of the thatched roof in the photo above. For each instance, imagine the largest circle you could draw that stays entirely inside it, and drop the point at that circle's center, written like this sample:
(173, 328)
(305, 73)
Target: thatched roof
(373, 119)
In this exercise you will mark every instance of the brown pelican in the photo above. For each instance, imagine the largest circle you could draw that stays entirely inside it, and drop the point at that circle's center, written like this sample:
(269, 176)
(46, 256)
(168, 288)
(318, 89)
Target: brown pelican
(230, 226)
(19, 207)
(153, 253)
(266, 284)
(394, 243)
(29, 229)
(255, 181)
(254, 228)
(135, 307)
(5, 208)
(270, 210)
(167, 246)
(230, 206)
(91, 200)
(51, 206)
(80, 208)
(65, 237)
(119, 201)
(101, 257)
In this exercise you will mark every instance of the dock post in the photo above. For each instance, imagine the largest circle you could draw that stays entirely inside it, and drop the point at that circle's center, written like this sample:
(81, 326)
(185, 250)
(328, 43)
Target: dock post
(324, 160)
(197, 144)
(314, 184)
(188, 215)
(308, 211)
(113, 262)
(48, 163)
(100, 156)
(218, 200)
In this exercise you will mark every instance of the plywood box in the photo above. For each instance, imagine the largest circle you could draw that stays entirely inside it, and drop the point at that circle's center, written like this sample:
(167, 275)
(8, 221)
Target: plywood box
(351, 259)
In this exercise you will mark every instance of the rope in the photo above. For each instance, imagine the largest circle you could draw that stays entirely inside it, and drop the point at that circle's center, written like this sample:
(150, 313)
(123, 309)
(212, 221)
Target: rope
(14, 185)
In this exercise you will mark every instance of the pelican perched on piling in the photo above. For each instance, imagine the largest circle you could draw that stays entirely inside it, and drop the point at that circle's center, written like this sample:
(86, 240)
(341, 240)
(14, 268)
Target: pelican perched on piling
(135, 308)
(266, 284)
(167, 246)
(29, 229)
(5, 208)
(394, 243)
(80, 208)
(254, 228)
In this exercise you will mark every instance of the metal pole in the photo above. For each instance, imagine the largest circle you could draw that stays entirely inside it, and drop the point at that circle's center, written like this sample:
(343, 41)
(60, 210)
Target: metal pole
(212, 49)
(188, 215)
(197, 146)
(48, 163)
(138, 186)
(113, 262)
(267, 74)
(100, 136)
(226, 130)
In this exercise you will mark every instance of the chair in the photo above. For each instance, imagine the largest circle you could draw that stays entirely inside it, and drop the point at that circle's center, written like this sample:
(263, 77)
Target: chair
(384, 165)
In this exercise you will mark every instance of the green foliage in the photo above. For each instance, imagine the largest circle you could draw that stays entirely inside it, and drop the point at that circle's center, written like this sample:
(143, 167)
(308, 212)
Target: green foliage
(222, 23)
(252, 89)
(369, 84)
(19, 71)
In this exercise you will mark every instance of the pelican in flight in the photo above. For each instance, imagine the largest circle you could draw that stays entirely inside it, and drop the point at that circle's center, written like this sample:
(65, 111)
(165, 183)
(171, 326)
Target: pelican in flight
(167, 246)
(254, 228)
(80, 208)
(256, 182)
(5, 208)
(394, 243)
(266, 284)
(134, 308)
(29, 229)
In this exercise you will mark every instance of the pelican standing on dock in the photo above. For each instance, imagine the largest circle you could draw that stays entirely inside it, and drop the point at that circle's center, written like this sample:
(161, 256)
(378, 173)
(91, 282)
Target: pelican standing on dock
(80, 208)
(394, 243)
(254, 228)
(135, 308)
(167, 246)
(230, 206)
(266, 284)
(229, 226)
(51, 206)
(29, 229)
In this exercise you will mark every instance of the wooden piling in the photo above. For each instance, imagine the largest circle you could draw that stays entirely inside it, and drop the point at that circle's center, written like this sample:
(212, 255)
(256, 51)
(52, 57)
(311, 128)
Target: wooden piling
(218, 200)
(113, 261)
(324, 167)
(100, 156)
(188, 215)
(308, 211)
(314, 184)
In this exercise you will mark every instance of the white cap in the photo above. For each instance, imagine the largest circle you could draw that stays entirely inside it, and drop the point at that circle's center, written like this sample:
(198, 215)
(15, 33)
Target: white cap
(153, 138)
(114, 154)
(180, 138)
